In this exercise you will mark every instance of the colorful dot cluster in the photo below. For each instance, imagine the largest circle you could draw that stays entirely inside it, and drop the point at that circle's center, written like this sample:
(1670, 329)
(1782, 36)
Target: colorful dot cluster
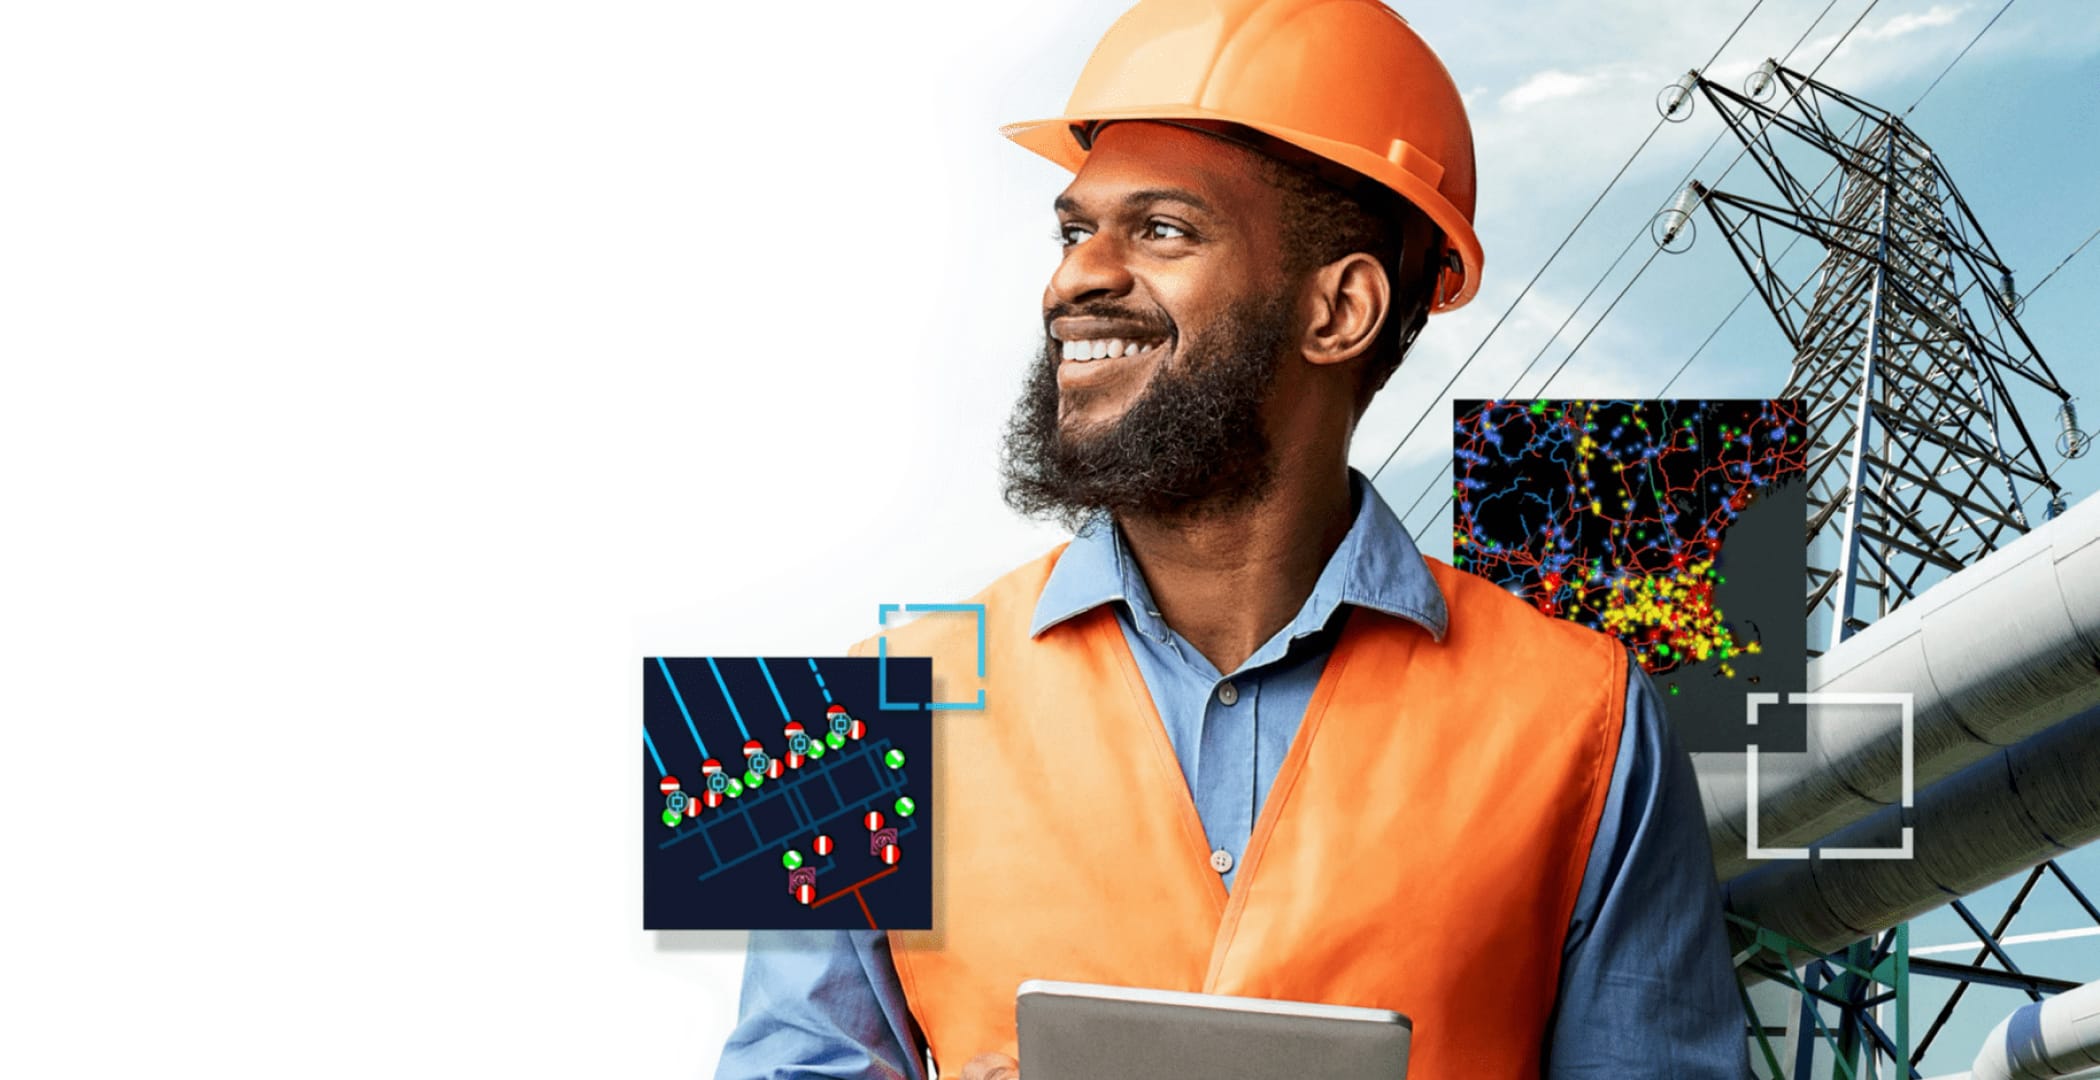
(1670, 620)
(719, 784)
(1612, 513)
(883, 845)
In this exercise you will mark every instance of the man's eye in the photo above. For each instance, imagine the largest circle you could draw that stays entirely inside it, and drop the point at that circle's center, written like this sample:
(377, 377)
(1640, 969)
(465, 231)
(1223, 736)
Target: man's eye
(1067, 235)
(1161, 230)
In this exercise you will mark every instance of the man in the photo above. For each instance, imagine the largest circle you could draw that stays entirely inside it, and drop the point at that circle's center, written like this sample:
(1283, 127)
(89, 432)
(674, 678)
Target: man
(1241, 737)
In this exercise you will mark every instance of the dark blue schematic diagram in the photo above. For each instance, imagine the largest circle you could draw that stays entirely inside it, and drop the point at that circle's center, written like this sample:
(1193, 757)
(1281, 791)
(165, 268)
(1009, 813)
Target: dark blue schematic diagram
(779, 793)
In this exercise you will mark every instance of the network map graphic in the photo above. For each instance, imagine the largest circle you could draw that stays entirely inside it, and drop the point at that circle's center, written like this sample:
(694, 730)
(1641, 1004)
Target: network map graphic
(782, 793)
(1675, 526)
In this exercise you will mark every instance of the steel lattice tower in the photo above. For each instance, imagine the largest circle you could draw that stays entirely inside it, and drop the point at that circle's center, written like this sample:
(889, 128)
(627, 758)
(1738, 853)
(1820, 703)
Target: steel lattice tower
(1904, 336)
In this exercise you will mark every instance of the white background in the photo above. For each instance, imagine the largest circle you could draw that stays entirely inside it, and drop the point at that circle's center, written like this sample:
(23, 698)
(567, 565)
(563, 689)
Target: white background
(383, 380)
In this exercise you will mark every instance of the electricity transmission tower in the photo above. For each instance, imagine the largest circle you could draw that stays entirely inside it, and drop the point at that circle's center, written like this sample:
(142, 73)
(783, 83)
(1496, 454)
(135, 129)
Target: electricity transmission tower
(1905, 337)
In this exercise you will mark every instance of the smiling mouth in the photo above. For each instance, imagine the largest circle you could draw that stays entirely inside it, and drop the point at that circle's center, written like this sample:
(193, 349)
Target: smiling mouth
(1085, 350)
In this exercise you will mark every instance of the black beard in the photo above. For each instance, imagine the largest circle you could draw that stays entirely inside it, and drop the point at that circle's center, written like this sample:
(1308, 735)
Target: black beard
(1190, 446)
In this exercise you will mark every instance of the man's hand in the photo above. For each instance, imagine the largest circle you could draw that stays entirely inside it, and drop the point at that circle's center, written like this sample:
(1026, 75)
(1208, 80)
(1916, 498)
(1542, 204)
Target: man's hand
(992, 1067)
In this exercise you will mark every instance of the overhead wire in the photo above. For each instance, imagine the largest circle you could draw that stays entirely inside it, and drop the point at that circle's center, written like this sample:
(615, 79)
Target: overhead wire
(1543, 267)
(2037, 287)
(1957, 57)
(1832, 51)
(1915, 102)
(1792, 96)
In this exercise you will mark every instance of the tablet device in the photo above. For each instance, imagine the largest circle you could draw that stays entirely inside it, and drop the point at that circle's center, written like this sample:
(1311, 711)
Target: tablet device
(1085, 1031)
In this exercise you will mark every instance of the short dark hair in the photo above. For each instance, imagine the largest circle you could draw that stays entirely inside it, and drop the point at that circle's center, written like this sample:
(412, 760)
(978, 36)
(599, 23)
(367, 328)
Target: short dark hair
(1323, 222)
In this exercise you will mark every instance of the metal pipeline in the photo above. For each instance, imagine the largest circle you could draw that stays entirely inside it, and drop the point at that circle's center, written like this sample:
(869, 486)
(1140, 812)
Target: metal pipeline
(2044, 1040)
(1999, 816)
(1998, 653)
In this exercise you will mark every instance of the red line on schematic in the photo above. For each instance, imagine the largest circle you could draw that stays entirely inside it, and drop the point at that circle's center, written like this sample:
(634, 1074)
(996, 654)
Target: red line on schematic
(855, 889)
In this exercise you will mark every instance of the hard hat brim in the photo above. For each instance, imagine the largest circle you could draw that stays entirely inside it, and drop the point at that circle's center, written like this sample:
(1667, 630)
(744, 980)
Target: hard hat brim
(1052, 138)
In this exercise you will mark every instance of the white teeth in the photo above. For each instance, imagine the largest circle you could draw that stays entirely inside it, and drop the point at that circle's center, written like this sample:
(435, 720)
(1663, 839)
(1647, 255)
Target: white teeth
(1104, 348)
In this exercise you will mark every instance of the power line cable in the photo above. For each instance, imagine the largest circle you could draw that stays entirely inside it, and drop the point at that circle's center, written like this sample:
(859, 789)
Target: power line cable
(1957, 56)
(2052, 270)
(1526, 291)
(1915, 102)
(1681, 368)
(1791, 97)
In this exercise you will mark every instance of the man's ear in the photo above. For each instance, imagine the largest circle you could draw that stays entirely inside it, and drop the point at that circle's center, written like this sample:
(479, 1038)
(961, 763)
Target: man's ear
(1350, 299)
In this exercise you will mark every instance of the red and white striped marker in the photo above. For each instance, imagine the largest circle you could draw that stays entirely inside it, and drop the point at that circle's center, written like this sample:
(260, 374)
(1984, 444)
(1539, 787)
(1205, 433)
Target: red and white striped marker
(822, 846)
(692, 808)
(889, 854)
(752, 747)
(795, 760)
(793, 729)
(774, 769)
(667, 785)
(834, 710)
(710, 767)
(805, 893)
(856, 729)
(712, 797)
(873, 820)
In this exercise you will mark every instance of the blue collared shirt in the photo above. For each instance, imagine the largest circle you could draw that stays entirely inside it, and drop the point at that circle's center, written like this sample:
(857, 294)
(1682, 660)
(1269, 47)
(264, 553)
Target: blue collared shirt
(1646, 988)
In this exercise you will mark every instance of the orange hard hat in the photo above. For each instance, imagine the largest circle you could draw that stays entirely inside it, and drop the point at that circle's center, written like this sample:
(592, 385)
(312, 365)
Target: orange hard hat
(1345, 81)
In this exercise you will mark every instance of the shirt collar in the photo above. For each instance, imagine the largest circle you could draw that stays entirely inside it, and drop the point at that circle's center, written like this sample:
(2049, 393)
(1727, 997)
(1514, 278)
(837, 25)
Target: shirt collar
(1377, 566)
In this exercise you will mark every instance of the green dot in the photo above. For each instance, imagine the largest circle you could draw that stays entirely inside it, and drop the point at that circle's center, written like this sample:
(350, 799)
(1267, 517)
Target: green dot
(671, 818)
(735, 789)
(905, 806)
(894, 759)
(816, 750)
(792, 860)
(834, 739)
(752, 779)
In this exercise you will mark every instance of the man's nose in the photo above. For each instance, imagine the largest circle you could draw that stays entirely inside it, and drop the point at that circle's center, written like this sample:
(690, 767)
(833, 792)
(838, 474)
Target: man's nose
(1094, 267)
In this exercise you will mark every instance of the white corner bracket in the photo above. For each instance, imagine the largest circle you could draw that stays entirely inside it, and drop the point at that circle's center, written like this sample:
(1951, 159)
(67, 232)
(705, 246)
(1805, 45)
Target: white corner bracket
(1903, 702)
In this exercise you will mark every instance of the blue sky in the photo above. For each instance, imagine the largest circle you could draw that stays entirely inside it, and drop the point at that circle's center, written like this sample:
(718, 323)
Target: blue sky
(1560, 96)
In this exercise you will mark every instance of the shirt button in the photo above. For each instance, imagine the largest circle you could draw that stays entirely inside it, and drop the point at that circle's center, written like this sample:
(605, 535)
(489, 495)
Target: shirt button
(1221, 861)
(1229, 695)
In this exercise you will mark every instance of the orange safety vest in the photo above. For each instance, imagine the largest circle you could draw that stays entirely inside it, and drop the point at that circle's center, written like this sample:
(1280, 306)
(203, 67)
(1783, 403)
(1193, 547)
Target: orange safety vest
(1419, 851)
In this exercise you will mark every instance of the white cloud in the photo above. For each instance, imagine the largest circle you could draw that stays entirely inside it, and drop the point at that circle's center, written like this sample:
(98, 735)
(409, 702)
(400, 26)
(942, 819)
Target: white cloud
(1898, 26)
(1908, 22)
(1549, 85)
